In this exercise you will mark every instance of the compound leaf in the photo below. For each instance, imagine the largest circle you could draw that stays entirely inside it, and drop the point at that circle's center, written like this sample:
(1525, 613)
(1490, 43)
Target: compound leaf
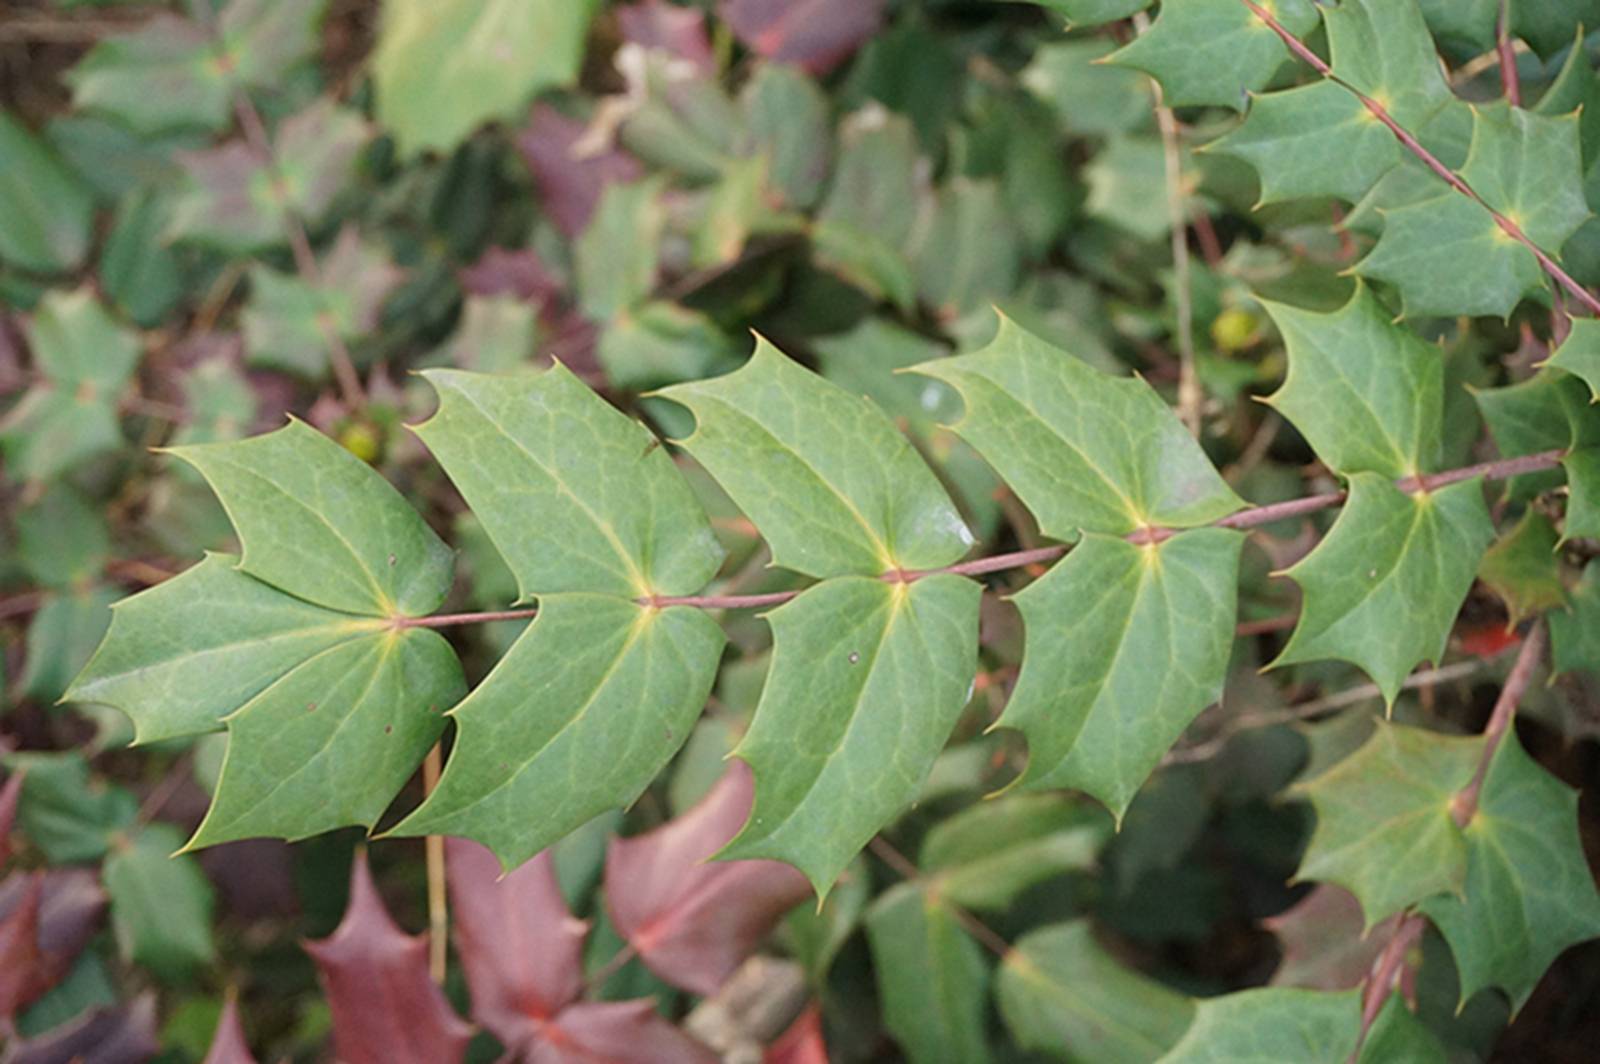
(613, 514)
(1271, 1025)
(1384, 827)
(578, 717)
(1125, 646)
(1085, 451)
(1382, 589)
(1213, 51)
(932, 978)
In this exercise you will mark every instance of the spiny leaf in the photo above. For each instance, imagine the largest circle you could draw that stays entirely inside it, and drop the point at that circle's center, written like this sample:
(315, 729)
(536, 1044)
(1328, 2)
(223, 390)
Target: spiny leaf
(577, 718)
(614, 514)
(386, 1010)
(1548, 411)
(813, 34)
(1579, 354)
(932, 978)
(1529, 892)
(1575, 631)
(228, 1045)
(867, 680)
(985, 856)
(1094, 12)
(1381, 591)
(693, 922)
(1366, 393)
(161, 905)
(45, 232)
(1214, 51)
(617, 1032)
(441, 68)
(1324, 941)
(1058, 991)
(288, 319)
(1384, 827)
(521, 949)
(1447, 255)
(317, 522)
(20, 895)
(1523, 569)
(1583, 494)
(1097, 711)
(182, 655)
(331, 742)
(1085, 451)
(824, 475)
(1272, 1025)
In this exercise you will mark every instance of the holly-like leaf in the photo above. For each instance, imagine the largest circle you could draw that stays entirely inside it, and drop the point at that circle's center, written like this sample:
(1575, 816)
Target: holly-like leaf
(1094, 12)
(85, 359)
(1579, 354)
(691, 921)
(228, 1045)
(985, 856)
(1325, 942)
(614, 514)
(317, 522)
(161, 905)
(1213, 51)
(579, 716)
(1096, 714)
(44, 232)
(442, 68)
(1059, 992)
(1447, 254)
(618, 1032)
(1575, 631)
(1548, 411)
(521, 949)
(932, 978)
(824, 475)
(1085, 451)
(867, 680)
(219, 401)
(815, 35)
(47, 918)
(1583, 494)
(1272, 1025)
(1366, 393)
(386, 1009)
(1384, 826)
(1529, 892)
(1382, 589)
(1523, 569)
(616, 258)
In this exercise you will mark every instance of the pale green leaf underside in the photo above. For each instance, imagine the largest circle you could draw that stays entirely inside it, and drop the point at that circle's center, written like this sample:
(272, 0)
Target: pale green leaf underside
(331, 742)
(932, 978)
(182, 655)
(986, 855)
(1382, 589)
(1059, 992)
(1384, 828)
(316, 521)
(1366, 393)
(1125, 646)
(585, 708)
(1529, 892)
(1271, 1026)
(1579, 354)
(831, 484)
(1213, 51)
(867, 680)
(1084, 450)
(576, 495)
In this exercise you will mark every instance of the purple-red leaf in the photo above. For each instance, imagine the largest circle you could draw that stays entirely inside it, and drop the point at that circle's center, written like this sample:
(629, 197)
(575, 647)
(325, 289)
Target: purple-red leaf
(385, 1008)
(802, 1043)
(8, 814)
(521, 948)
(500, 272)
(570, 177)
(693, 921)
(814, 34)
(19, 941)
(228, 1045)
(122, 1035)
(46, 918)
(1323, 945)
(616, 1032)
(680, 31)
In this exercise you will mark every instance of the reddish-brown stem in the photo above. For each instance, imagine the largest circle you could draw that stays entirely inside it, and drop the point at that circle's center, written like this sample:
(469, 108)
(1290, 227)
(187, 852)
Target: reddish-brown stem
(1465, 804)
(1509, 81)
(1384, 970)
(1411, 144)
(902, 865)
(1021, 559)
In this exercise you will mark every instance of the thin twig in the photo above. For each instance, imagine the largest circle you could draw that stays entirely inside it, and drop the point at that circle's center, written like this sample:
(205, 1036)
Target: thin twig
(438, 897)
(1384, 970)
(1465, 804)
(986, 935)
(1508, 57)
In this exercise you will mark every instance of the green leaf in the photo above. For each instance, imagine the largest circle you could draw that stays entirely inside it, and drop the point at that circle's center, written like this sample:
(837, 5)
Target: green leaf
(787, 122)
(932, 978)
(1529, 893)
(47, 208)
(1059, 992)
(184, 654)
(1270, 1026)
(1575, 631)
(140, 273)
(577, 718)
(317, 522)
(67, 813)
(161, 905)
(1094, 12)
(287, 321)
(442, 68)
(1382, 589)
(616, 258)
(1088, 97)
(868, 678)
(497, 334)
(1583, 495)
(1523, 569)
(987, 855)
(1125, 180)
(614, 514)
(331, 742)
(876, 185)
(1579, 354)
(967, 249)
(61, 538)
(1398, 1034)
(1549, 411)
(1125, 646)
(1447, 256)
(163, 75)
(822, 473)
(1469, 22)
(1367, 394)
(1384, 827)
(61, 637)
(1213, 51)
(1085, 451)
(219, 401)
(661, 343)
